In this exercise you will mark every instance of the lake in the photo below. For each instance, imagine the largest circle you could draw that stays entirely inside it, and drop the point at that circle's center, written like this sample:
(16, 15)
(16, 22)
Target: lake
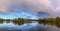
(34, 26)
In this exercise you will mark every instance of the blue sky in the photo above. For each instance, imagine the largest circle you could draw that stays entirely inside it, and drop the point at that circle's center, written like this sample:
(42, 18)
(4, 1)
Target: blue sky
(29, 8)
(21, 15)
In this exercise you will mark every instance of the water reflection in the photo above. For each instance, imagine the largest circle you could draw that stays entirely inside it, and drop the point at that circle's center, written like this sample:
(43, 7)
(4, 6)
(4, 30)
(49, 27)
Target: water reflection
(10, 26)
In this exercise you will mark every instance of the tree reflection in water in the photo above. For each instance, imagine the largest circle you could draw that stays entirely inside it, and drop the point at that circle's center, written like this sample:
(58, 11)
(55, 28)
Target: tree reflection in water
(21, 21)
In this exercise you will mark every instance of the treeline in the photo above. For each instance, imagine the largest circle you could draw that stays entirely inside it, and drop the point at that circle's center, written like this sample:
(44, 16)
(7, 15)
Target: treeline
(50, 21)
(20, 21)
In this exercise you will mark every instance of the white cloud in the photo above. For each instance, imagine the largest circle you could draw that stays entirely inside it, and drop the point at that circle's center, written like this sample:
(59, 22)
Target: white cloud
(4, 5)
(28, 6)
(36, 5)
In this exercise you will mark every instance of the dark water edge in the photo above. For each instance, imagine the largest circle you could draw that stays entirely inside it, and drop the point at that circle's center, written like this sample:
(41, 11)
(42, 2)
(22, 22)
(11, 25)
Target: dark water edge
(27, 27)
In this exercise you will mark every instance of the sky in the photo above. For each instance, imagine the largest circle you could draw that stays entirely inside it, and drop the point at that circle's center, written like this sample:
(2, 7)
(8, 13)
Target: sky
(29, 8)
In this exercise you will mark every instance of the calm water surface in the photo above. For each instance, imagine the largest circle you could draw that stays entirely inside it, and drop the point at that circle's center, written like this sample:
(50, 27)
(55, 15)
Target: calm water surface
(27, 27)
